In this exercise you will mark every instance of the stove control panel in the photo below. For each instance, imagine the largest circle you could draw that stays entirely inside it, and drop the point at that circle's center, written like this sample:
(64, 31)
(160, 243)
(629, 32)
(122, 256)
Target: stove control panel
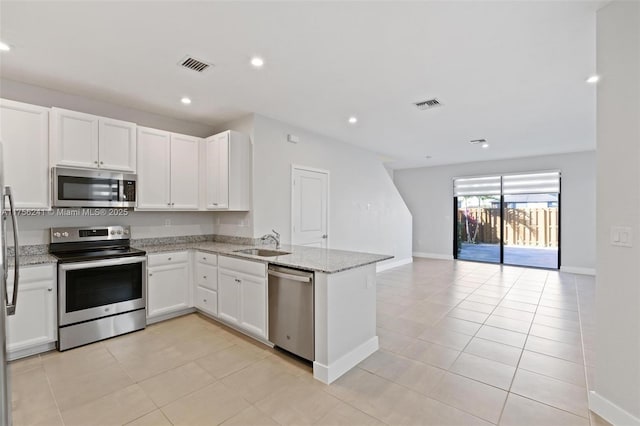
(90, 233)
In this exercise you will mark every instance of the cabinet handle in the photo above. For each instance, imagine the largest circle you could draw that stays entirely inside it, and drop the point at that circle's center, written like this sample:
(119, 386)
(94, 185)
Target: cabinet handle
(150, 274)
(204, 258)
(204, 277)
(173, 204)
(215, 204)
(168, 204)
(95, 162)
(102, 162)
(204, 300)
(49, 289)
(169, 259)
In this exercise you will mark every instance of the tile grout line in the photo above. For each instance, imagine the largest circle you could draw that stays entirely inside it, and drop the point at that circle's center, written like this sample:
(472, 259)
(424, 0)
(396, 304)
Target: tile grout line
(53, 395)
(523, 346)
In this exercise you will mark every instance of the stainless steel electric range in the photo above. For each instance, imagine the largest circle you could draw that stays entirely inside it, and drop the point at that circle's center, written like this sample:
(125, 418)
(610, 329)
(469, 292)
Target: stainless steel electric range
(101, 284)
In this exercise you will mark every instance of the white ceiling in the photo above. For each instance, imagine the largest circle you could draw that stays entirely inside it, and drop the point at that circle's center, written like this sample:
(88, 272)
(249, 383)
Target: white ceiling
(512, 72)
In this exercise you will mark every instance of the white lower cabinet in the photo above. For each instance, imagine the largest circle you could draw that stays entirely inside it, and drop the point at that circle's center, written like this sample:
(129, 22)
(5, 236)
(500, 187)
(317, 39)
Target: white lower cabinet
(34, 325)
(168, 288)
(242, 294)
(206, 279)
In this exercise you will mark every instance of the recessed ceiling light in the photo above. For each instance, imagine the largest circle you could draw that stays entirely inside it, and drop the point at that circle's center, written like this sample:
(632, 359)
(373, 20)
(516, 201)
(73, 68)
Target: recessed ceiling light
(353, 120)
(257, 62)
(185, 100)
(485, 145)
(4, 47)
(593, 79)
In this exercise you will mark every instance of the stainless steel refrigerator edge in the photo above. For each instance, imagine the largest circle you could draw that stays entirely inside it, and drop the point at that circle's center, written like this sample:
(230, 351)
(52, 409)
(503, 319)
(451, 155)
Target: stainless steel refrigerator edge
(7, 306)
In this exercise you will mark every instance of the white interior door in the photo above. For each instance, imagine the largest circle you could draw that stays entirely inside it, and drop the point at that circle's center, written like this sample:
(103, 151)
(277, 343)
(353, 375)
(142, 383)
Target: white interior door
(310, 207)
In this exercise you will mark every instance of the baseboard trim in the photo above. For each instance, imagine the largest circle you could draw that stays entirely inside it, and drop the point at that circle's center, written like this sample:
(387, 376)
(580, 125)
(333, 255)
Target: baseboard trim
(433, 255)
(164, 317)
(23, 353)
(384, 266)
(611, 412)
(578, 270)
(329, 373)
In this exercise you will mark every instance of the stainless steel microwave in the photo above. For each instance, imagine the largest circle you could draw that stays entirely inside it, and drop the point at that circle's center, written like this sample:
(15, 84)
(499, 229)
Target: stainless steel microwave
(92, 188)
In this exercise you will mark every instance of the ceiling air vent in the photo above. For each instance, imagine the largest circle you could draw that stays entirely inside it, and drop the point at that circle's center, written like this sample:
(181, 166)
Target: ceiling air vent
(194, 64)
(428, 104)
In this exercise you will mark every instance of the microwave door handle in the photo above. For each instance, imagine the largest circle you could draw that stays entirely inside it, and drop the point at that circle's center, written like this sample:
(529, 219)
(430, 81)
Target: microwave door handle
(11, 308)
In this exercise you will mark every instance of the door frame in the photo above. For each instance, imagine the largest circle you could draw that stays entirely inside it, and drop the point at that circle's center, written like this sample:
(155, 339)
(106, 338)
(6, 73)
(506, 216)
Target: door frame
(295, 167)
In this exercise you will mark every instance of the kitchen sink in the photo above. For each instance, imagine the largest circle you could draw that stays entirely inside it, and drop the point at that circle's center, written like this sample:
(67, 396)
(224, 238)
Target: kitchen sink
(263, 252)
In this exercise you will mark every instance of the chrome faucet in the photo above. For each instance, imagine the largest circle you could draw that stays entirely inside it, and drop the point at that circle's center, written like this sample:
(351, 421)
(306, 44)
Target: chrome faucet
(275, 237)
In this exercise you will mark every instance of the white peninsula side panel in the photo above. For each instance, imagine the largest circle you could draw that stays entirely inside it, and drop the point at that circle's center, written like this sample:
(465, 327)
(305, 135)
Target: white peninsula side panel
(345, 321)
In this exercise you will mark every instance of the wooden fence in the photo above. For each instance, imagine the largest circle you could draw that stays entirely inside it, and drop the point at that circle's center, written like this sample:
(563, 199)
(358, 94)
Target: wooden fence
(536, 227)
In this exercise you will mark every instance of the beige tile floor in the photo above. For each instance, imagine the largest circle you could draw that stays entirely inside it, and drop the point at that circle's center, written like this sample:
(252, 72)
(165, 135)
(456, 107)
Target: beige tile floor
(461, 344)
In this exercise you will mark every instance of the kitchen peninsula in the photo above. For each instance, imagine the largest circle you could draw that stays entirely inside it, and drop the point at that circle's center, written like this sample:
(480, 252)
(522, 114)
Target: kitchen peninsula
(344, 297)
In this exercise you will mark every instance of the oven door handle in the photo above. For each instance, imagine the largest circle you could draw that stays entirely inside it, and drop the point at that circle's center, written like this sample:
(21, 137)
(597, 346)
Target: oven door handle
(102, 263)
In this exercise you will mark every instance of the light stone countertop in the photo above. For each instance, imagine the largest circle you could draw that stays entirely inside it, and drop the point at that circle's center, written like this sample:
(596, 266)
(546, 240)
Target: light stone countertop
(308, 258)
(33, 259)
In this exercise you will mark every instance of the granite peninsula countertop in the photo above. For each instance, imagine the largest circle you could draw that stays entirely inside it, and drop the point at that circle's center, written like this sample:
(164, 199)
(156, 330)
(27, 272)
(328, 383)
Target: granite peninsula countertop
(308, 258)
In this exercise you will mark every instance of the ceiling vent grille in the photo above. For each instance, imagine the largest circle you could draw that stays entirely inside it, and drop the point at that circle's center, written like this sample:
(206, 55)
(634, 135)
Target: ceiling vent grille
(428, 104)
(194, 64)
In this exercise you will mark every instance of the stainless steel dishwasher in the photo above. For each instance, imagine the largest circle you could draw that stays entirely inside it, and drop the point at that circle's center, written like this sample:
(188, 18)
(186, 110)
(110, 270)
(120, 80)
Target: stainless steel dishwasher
(291, 310)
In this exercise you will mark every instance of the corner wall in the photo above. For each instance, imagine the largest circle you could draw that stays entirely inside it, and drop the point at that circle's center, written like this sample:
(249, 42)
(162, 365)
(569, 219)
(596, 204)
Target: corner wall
(366, 211)
(617, 376)
(428, 191)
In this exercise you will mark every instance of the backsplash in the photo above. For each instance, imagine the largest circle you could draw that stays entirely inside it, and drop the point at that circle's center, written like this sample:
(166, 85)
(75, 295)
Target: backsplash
(37, 249)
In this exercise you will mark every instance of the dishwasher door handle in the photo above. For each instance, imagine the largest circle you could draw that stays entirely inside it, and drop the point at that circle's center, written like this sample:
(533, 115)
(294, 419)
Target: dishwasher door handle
(290, 276)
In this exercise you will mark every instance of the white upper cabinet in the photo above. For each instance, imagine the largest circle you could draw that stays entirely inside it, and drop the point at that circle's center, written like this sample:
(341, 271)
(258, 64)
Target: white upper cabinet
(154, 169)
(24, 131)
(89, 141)
(167, 170)
(117, 145)
(184, 172)
(228, 171)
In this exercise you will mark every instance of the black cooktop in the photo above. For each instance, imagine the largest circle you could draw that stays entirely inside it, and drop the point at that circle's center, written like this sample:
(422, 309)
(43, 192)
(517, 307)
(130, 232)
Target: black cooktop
(99, 254)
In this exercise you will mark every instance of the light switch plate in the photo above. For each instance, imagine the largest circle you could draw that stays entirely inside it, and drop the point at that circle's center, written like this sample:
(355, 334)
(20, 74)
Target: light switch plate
(621, 236)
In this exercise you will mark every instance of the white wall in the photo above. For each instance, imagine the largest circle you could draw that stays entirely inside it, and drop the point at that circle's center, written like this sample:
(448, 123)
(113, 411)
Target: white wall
(428, 191)
(617, 382)
(34, 230)
(366, 210)
(37, 95)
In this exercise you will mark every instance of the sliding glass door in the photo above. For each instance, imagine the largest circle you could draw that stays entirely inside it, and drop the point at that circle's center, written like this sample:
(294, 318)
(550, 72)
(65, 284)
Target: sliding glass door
(512, 219)
(478, 226)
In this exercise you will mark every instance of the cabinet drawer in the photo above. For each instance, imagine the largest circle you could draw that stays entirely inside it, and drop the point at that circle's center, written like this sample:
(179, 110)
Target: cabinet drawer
(207, 276)
(207, 300)
(258, 269)
(208, 258)
(167, 258)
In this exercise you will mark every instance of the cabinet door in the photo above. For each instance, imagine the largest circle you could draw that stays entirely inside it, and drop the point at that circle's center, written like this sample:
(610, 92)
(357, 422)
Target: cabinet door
(117, 145)
(184, 172)
(167, 289)
(218, 171)
(74, 138)
(34, 322)
(253, 305)
(154, 169)
(24, 131)
(228, 296)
